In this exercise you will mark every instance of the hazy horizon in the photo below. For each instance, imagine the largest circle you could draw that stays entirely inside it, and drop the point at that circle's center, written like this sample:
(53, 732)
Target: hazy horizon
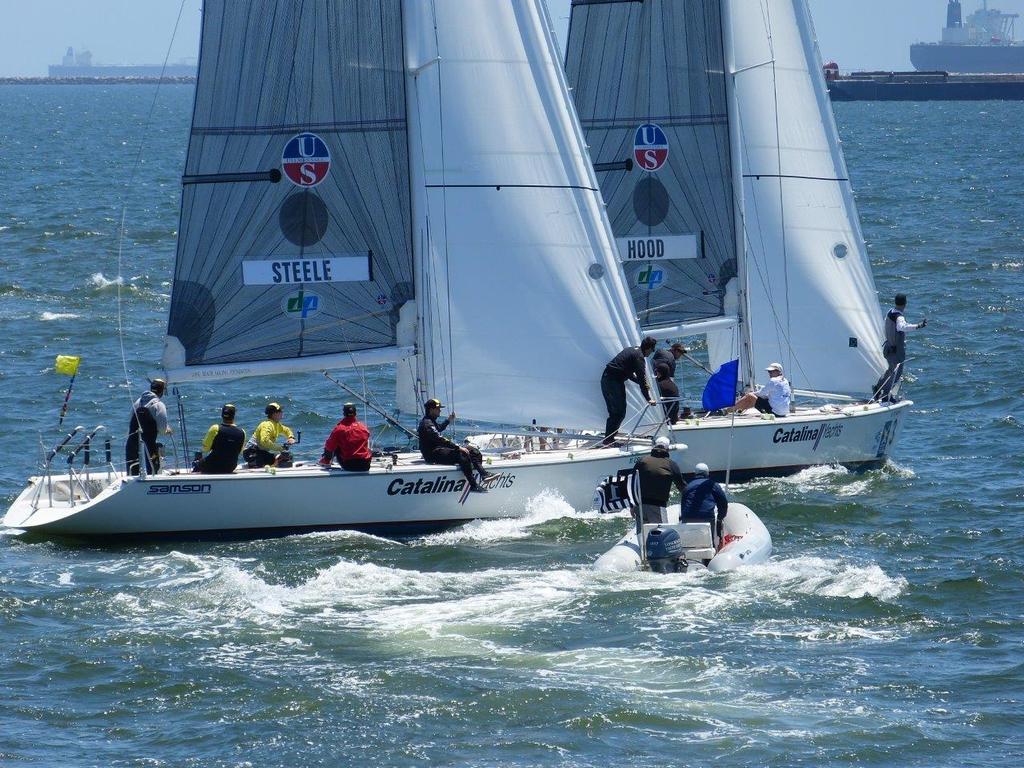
(869, 34)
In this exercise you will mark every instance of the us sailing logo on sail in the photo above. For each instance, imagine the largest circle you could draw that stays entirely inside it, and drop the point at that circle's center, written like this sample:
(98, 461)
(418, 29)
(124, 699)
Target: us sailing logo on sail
(650, 147)
(445, 484)
(306, 160)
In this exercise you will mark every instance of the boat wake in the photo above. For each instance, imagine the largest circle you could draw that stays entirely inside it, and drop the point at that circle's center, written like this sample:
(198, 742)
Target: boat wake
(811, 575)
(542, 508)
(832, 479)
(187, 589)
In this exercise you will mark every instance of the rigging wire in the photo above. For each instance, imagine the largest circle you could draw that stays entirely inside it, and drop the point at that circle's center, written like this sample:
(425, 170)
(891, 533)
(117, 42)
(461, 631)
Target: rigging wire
(124, 214)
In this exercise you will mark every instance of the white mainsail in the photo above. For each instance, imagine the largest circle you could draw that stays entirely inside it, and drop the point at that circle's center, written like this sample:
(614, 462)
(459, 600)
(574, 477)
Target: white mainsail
(375, 180)
(748, 144)
(294, 250)
(521, 299)
(649, 83)
(810, 294)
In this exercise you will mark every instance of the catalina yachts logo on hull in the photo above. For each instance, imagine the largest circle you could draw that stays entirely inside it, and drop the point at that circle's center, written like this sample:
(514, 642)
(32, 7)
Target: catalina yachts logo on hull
(804, 434)
(445, 484)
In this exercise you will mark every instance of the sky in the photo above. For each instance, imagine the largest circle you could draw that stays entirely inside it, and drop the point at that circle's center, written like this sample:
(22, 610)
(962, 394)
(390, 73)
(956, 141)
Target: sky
(858, 34)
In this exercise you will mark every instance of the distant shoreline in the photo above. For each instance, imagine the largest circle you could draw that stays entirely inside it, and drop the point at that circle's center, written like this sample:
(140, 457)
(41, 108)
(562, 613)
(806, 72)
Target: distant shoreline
(189, 79)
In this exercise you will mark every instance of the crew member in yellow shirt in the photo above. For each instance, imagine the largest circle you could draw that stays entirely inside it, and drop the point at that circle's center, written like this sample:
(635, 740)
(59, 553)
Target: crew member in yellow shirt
(264, 446)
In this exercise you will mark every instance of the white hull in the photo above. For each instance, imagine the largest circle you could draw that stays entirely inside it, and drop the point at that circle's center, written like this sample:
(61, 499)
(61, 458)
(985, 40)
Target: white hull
(747, 542)
(408, 497)
(752, 446)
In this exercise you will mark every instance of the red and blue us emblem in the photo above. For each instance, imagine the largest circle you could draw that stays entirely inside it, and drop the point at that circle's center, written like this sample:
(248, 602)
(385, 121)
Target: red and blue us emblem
(306, 160)
(650, 147)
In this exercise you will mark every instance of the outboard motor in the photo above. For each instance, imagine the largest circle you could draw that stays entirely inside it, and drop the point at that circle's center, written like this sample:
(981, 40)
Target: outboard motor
(665, 551)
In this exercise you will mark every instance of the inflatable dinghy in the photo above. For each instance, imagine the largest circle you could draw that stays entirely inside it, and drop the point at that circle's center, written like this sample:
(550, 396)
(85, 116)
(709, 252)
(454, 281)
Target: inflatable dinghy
(680, 547)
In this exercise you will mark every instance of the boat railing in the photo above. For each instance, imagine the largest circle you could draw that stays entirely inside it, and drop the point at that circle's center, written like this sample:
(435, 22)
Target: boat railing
(80, 480)
(540, 438)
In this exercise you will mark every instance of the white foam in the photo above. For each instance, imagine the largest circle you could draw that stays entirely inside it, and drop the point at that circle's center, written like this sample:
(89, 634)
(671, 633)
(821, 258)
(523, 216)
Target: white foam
(547, 505)
(47, 316)
(99, 280)
(809, 575)
(892, 468)
(838, 632)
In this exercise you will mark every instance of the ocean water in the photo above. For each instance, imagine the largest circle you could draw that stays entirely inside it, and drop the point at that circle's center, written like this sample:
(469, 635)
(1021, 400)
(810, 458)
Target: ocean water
(886, 629)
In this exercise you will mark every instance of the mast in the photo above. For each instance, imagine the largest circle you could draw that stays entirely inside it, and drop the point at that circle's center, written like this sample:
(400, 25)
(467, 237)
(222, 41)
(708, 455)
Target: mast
(743, 326)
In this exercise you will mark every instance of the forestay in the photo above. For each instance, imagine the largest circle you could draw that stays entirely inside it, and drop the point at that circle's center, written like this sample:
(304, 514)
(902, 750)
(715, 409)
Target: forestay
(649, 83)
(811, 295)
(522, 301)
(295, 240)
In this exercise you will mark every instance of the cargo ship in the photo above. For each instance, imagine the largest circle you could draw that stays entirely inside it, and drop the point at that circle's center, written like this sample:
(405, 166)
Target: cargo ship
(922, 86)
(80, 66)
(983, 43)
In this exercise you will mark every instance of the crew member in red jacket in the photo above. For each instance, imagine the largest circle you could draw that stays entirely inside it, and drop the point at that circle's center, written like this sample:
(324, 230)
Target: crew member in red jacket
(349, 443)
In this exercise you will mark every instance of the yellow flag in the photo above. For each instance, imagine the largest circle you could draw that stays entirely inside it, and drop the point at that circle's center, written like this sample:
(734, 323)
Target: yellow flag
(67, 364)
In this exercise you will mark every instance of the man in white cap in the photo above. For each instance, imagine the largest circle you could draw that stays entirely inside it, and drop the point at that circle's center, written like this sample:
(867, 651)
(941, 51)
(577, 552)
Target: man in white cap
(657, 475)
(704, 501)
(774, 397)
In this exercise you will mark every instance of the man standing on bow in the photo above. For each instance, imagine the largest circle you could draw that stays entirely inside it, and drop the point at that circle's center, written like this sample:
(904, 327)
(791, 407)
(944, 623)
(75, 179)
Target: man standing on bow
(629, 365)
(895, 348)
(437, 449)
(148, 421)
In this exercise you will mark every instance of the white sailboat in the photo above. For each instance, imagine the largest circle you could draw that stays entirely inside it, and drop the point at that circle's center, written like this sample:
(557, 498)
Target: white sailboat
(376, 181)
(720, 163)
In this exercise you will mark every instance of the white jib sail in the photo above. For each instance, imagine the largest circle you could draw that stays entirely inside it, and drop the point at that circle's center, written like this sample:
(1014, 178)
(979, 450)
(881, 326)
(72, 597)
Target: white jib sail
(521, 301)
(810, 293)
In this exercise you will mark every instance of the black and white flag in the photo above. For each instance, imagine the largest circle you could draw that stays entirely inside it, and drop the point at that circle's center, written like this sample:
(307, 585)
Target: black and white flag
(618, 492)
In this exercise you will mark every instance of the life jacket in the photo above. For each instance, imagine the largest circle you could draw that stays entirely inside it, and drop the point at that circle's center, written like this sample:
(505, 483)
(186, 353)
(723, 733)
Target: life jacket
(895, 341)
(142, 421)
(223, 455)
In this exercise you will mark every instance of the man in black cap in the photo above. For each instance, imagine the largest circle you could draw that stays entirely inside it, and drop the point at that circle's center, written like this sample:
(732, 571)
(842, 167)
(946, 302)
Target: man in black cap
(148, 421)
(894, 348)
(349, 443)
(658, 473)
(223, 445)
(437, 449)
(628, 365)
(664, 362)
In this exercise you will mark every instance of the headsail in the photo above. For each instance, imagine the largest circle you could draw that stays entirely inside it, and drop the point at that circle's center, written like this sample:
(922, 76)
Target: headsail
(522, 299)
(811, 296)
(649, 83)
(294, 250)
